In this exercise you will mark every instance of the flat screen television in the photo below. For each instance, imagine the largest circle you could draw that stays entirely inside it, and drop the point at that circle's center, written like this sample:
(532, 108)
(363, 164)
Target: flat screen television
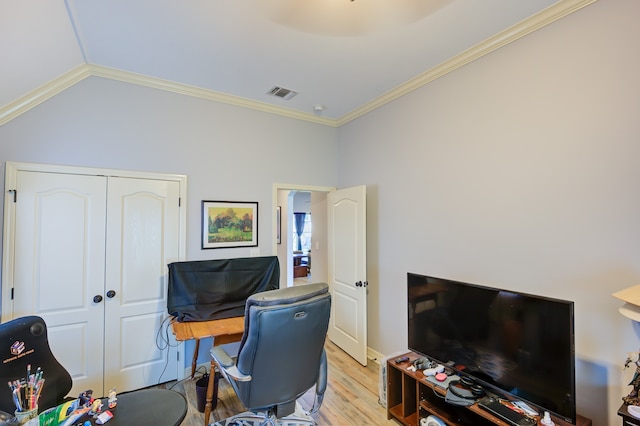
(516, 345)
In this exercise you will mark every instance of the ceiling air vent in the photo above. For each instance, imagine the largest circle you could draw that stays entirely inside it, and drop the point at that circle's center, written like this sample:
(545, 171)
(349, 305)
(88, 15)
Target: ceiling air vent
(281, 92)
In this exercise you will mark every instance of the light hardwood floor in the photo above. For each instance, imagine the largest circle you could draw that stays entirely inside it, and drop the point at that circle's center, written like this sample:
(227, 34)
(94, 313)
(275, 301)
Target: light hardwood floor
(351, 397)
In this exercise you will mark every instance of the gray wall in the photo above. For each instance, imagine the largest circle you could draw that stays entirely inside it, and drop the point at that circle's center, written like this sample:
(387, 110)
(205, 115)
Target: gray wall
(519, 171)
(228, 153)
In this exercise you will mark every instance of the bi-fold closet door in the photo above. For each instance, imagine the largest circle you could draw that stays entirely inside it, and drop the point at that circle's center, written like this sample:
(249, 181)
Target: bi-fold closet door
(90, 256)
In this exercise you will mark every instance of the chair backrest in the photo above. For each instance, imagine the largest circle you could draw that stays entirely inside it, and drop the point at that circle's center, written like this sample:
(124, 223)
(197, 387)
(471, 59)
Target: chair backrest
(23, 343)
(282, 345)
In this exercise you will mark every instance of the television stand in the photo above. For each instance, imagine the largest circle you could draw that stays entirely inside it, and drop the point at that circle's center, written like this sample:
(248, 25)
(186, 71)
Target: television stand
(411, 397)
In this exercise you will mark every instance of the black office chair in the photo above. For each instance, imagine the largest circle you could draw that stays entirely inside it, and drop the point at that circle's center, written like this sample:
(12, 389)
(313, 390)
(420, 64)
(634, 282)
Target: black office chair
(24, 348)
(281, 354)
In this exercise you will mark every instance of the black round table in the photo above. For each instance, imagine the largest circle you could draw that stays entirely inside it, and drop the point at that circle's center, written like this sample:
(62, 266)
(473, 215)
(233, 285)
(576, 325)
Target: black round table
(157, 407)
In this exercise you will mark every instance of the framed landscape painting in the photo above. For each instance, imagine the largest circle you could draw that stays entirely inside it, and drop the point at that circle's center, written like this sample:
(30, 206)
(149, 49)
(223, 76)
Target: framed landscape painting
(227, 224)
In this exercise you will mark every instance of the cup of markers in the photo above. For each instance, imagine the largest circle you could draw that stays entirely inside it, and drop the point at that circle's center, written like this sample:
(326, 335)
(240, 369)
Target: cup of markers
(26, 392)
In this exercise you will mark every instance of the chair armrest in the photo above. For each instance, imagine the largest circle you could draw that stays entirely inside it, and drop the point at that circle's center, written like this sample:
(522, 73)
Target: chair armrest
(226, 365)
(221, 357)
(321, 384)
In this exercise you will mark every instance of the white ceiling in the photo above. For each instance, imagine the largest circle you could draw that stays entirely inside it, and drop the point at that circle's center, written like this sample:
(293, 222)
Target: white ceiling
(344, 55)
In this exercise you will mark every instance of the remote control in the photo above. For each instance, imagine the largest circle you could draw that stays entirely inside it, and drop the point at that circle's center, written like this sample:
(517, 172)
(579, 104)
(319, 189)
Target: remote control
(401, 360)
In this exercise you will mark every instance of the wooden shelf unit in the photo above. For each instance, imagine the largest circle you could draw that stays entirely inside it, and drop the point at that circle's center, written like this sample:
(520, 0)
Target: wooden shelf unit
(411, 397)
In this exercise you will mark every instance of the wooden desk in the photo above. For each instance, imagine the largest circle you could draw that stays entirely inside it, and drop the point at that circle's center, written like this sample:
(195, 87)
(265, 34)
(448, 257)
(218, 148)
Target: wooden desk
(223, 331)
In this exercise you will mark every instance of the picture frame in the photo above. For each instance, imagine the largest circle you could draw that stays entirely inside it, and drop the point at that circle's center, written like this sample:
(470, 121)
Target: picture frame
(278, 224)
(228, 224)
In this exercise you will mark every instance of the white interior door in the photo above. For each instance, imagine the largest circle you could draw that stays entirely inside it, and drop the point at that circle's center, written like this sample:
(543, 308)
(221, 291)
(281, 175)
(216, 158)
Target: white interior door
(59, 266)
(142, 238)
(348, 270)
(71, 238)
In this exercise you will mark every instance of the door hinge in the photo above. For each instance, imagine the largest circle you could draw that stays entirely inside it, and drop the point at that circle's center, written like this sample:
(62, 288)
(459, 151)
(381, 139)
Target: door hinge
(179, 202)
(11, 293)
(177, 356)
(14, 192)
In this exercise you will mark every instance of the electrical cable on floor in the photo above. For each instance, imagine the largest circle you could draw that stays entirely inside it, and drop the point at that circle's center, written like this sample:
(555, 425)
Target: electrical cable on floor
(189, 378)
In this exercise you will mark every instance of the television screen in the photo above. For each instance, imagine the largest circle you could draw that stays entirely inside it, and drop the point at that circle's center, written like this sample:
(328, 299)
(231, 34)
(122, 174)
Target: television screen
(511, 343)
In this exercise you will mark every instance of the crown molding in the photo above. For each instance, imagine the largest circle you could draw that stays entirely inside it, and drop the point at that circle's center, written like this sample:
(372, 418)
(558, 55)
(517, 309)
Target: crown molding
(49, 90)
(34, 98)
(185, 89)
(513, 33)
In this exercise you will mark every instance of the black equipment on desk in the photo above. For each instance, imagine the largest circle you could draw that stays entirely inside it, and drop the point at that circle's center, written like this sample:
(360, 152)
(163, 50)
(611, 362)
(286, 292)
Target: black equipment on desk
(214, 289)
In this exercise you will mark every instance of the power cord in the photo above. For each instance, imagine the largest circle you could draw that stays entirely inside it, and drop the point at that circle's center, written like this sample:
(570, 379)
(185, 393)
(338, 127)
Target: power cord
(163, 342)
(202, 370)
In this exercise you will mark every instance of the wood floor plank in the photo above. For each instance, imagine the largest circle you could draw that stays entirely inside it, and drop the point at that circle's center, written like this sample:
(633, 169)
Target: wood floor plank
(351, 397)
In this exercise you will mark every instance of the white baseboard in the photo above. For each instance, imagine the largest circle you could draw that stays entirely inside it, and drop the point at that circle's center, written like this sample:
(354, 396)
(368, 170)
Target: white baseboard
(374, 356)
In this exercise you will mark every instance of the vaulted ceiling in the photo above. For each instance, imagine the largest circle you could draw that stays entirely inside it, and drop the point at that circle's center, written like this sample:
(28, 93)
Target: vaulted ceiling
(341, 57)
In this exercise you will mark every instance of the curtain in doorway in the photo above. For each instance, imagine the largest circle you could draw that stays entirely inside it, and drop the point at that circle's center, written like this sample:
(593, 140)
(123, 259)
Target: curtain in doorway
(299, 227)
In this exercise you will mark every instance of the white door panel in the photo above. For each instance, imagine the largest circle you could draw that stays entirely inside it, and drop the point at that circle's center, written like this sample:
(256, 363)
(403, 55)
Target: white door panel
(77, 358)
(142, 238)
(345, 320)
(347, 270)
(59, 266)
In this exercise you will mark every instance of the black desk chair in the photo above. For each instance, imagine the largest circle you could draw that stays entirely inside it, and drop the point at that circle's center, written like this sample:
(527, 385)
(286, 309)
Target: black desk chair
(281, 353)
(23, 342)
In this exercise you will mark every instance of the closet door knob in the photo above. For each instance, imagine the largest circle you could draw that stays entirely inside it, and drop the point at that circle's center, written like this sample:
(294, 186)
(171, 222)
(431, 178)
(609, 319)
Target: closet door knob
(111, 293)
(97, 298)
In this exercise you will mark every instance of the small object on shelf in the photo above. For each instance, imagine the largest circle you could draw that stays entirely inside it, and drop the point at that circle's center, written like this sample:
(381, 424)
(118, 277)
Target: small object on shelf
(546, 420)
(634, 410)
(25, 416)
(96, 407)
(439, 368)
(432, 421)
(112, 398)
(505, 413)
(85, 399)
(26, 392)
(402, 359)
(422, 363)
(104, 417)
(524, 407)
(633, 398)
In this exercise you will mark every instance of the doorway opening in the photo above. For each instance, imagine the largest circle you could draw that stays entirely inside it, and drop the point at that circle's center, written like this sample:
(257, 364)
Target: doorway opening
(303, 258)
(301, 236)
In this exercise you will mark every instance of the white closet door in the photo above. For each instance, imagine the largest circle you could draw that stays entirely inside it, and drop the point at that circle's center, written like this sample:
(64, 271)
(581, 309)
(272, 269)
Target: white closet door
(59, 266)
(142, 238)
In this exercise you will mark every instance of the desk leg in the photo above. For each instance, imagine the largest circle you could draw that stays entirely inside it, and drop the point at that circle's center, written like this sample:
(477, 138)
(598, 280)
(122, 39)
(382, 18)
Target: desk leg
(208, 405)
(194, 361)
